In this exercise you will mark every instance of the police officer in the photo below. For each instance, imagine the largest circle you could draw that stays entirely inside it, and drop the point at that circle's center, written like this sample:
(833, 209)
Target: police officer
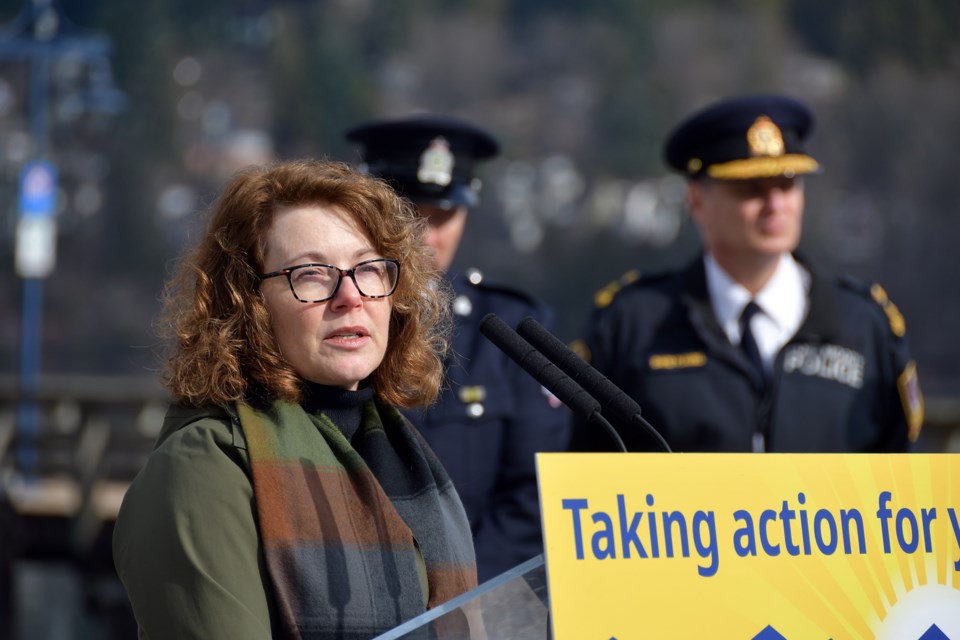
(491, 417)
(750, 348)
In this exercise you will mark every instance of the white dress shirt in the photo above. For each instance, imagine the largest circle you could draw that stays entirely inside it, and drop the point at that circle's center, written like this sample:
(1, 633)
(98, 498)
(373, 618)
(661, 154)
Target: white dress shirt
(783, 301)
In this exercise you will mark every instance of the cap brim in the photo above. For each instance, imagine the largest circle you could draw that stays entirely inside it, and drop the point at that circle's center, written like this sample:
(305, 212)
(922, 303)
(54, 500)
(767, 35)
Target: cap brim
(791, 164)
(455, 196)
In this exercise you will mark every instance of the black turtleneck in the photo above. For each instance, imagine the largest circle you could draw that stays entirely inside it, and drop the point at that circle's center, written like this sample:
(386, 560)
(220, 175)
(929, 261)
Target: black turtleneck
(343, 407)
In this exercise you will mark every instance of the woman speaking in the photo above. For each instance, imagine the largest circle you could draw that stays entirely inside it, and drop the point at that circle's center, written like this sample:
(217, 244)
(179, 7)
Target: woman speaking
(287, 496)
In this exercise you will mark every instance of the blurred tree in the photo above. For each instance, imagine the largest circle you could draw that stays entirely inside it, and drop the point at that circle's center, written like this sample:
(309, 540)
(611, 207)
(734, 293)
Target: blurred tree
(924, 34)
(581, 94)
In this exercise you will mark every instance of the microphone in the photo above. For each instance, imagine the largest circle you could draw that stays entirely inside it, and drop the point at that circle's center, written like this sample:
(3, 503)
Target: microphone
(545, 372)
(594, 382)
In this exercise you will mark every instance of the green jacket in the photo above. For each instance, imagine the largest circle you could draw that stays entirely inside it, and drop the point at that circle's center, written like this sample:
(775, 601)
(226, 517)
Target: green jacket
(186, 544)
(188, 521)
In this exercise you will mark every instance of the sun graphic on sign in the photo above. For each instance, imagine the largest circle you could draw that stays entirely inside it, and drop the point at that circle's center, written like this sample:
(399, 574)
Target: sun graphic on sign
(907, 587)
(926, 609)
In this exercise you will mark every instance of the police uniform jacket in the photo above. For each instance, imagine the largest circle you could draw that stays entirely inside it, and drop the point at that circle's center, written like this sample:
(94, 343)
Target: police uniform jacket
(488, 424)
(844, 383)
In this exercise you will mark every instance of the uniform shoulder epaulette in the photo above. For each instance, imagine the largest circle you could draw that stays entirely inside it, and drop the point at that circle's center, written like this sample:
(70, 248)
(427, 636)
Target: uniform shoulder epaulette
(476, 278)
(879, 295)
(632, 278)
(608, 292)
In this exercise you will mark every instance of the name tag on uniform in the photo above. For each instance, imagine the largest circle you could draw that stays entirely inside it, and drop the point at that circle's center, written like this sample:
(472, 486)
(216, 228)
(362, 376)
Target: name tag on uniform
(829, 361)
(678, 360)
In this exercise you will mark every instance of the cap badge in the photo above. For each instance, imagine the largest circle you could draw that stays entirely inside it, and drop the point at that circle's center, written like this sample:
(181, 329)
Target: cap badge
(436, 163)
(764, 138)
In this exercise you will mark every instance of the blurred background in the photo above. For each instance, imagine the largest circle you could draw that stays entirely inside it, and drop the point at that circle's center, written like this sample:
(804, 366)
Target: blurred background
(141, 110)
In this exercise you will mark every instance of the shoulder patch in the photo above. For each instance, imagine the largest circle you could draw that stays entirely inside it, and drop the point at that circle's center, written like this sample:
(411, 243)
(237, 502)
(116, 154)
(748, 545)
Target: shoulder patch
(897, 324)
(912, 400)
(605, 296)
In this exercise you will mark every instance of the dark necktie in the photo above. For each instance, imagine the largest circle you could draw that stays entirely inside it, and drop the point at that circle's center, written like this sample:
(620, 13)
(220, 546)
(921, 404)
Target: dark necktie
(747, 342)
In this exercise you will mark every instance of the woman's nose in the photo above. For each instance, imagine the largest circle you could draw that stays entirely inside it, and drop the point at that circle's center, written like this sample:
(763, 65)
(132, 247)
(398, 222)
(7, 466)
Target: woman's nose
(347, 296)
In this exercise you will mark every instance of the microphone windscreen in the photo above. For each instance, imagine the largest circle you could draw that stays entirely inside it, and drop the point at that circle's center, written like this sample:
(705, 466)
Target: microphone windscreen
(537, 365)
(595, 383)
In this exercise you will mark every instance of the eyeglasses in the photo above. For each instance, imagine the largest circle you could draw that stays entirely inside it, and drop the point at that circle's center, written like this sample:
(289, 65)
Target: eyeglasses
(316, 282)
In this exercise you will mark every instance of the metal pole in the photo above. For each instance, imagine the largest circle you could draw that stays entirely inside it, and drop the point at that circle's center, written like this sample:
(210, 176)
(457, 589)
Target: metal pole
(29, 413)
(32, 318)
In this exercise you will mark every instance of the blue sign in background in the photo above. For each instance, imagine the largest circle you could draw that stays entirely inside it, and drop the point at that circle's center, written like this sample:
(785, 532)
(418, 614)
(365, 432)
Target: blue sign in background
(38, 189)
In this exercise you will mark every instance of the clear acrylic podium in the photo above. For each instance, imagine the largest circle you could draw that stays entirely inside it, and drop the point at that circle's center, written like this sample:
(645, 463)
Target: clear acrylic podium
(511, 606)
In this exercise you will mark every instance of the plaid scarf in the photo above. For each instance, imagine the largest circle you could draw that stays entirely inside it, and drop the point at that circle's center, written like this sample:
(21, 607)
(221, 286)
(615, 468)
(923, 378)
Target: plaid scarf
(342, 532)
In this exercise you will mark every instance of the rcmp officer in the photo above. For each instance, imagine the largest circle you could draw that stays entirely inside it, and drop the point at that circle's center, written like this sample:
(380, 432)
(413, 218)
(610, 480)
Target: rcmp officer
(750, 348)
(491, 417)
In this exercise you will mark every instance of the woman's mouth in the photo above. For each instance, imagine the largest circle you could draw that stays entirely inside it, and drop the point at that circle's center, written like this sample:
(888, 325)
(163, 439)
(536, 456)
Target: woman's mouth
(347, 336)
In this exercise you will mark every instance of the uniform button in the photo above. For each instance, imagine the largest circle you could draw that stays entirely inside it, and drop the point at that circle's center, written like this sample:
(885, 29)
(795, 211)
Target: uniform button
(462, 306)
(475, 410)
(474, 276)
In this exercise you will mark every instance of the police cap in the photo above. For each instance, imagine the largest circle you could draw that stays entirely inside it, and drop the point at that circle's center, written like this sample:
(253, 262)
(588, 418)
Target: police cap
(427, 158)
(758, 136)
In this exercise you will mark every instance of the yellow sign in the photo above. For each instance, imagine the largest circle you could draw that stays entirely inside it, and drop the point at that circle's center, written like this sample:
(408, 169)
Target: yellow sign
(745, 546)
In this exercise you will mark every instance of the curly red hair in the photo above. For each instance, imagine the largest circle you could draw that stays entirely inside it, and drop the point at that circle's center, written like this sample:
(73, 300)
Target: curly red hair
(221, 343)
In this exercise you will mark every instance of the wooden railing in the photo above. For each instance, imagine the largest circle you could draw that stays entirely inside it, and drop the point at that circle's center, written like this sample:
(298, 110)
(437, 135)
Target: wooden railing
(61, 485)
(93, 434)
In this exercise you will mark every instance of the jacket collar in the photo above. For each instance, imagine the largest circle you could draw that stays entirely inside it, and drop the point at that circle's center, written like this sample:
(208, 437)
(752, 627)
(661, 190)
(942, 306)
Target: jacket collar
(696, 296)
(822, 323)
